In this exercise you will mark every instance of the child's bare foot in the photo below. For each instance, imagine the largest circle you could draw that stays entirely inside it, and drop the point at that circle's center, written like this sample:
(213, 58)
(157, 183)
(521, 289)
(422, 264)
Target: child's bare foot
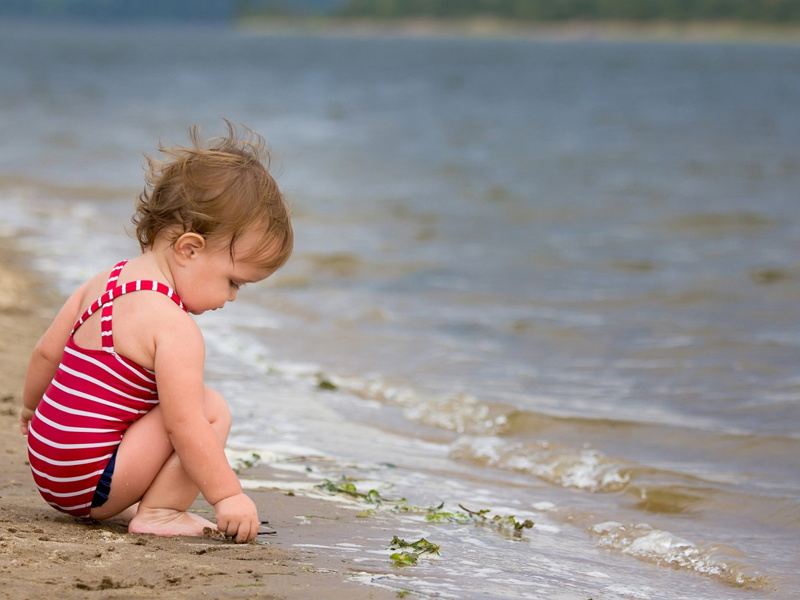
(165, 521)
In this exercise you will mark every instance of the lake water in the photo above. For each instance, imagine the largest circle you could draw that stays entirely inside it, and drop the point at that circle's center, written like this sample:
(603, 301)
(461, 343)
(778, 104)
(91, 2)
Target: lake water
(558, 280)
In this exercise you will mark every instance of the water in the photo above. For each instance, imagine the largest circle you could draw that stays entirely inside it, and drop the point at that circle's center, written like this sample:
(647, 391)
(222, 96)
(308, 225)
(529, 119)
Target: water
(555, 280)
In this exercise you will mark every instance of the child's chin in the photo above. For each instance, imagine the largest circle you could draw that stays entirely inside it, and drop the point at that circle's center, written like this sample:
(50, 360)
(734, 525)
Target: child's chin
(200, 311)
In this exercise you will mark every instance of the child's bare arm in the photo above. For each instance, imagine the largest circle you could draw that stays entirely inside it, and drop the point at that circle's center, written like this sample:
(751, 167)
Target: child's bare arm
(46, 357)
(179, 359)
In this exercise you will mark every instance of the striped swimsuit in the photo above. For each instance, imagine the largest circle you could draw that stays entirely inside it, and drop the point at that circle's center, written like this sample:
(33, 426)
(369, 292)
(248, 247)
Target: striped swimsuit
(94, 397)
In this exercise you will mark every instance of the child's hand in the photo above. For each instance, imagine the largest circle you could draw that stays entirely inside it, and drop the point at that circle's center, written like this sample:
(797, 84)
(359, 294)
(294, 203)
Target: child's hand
(24, 419)
(237, 517)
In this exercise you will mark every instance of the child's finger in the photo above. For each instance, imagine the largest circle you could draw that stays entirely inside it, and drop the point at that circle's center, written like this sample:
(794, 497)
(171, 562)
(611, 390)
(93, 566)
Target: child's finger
(226, 527)
(242, 534)
(248, 530)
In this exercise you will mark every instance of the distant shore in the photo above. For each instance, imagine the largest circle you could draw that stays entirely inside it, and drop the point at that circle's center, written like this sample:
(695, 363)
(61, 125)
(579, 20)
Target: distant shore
(732, 32)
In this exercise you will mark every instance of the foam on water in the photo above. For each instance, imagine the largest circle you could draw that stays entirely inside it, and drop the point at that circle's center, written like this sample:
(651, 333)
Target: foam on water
(582, 468)
(662, 547)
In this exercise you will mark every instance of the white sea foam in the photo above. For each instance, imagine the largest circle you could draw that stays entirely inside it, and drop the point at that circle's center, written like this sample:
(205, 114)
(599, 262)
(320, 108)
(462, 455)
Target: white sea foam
(630, 593)
(663, 547)
(568, 467)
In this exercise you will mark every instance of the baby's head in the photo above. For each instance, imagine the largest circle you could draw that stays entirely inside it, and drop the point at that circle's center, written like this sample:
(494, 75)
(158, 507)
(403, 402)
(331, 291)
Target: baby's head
(219, 190)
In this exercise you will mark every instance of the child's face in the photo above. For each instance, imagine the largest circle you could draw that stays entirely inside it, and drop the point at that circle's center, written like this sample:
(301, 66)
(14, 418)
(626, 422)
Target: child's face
(213, 278)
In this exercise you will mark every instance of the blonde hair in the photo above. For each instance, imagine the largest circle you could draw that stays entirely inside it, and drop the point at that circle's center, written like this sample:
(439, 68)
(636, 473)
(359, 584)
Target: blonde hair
(219, 189)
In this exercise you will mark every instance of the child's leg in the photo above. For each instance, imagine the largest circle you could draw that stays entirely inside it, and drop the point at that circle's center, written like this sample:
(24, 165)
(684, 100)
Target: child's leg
(147, 468)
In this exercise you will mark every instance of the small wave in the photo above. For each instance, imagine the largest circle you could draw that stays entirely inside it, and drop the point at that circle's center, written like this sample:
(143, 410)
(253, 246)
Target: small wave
(340, 264)
(311, 268)
(774, 274)
(460, 413)
(584, 468)
(722, 223)
(663, 548)
(563, 451)
(633, 266)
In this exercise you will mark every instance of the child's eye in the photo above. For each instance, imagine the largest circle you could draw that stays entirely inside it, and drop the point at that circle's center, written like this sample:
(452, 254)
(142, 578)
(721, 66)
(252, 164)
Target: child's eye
(234, 285)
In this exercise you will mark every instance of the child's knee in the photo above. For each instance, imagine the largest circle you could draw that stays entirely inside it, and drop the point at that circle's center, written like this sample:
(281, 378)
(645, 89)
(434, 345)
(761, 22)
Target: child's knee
(216, 408)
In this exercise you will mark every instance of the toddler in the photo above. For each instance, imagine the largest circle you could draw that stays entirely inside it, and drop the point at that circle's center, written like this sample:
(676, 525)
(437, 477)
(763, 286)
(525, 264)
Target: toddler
(118, 419)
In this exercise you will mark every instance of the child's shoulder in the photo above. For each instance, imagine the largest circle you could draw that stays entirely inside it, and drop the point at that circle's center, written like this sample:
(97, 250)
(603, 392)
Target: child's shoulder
(147, 320)
(151, 295)
(93, 288)
(154, 314)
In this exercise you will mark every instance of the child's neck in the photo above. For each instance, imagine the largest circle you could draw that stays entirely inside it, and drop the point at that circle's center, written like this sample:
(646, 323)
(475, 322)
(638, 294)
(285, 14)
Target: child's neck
(159, 259)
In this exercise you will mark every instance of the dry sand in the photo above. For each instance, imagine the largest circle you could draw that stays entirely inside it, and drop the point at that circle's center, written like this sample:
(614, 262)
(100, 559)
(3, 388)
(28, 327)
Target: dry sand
(45, 554)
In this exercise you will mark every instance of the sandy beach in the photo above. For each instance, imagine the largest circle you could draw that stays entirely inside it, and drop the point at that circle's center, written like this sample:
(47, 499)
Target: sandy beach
(44, 553)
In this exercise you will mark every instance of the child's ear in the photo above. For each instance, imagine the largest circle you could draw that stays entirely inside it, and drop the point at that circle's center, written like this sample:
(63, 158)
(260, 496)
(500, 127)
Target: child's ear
(188, 246)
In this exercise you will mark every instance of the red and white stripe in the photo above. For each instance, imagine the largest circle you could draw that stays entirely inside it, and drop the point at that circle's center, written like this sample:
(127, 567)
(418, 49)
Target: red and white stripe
(93, 399)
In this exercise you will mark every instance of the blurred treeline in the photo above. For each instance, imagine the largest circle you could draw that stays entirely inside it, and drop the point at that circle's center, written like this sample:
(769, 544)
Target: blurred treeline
(765, 11)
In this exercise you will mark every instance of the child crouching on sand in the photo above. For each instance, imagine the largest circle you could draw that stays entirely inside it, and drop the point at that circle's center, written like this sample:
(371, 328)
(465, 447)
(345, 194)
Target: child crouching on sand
(115, 409)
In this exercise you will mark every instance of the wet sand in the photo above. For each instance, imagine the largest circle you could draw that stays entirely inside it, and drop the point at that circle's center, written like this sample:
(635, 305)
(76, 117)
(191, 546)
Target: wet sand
(44, 553)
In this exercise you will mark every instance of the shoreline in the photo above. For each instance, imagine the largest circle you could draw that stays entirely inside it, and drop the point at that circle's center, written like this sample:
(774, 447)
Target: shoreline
(498, 29)
(45, 553)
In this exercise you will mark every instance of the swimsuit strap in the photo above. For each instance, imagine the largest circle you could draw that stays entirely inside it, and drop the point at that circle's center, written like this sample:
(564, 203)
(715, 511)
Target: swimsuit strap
(107, 338)
(106, 301)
